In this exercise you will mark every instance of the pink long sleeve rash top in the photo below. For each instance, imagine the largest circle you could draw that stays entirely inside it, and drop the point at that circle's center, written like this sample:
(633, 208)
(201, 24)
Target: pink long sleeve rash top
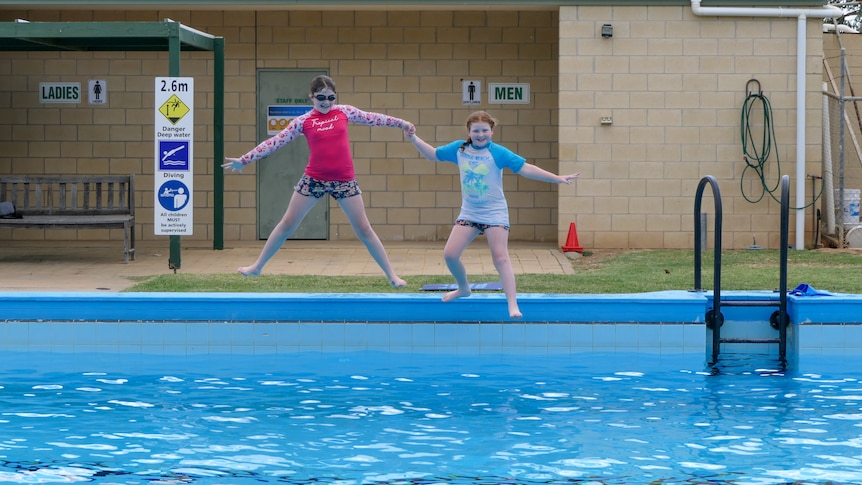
(330, 158)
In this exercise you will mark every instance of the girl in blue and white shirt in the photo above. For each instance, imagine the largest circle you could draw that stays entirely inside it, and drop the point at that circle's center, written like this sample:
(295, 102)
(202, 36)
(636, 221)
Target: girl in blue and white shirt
(483, 204)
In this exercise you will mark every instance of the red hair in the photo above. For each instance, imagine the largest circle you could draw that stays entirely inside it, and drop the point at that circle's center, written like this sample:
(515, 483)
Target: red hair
(478, 117)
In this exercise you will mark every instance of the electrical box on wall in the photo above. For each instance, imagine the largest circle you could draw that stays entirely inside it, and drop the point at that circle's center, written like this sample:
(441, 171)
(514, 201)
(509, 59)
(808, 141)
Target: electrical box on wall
(607, 30)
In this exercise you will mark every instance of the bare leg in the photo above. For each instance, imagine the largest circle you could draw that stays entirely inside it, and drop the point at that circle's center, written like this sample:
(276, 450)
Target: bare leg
(498, 242)
(297, 209)
(459, 239)
(354, 208)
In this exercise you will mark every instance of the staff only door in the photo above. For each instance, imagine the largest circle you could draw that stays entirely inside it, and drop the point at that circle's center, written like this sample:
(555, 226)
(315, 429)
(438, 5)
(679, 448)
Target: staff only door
(282, 94)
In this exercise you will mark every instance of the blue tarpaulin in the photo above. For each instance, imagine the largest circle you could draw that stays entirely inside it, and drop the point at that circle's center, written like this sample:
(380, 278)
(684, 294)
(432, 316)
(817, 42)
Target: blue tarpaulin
(807, 290)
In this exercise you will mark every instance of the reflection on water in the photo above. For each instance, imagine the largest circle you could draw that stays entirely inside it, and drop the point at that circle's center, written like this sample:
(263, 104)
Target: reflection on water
(371, 417)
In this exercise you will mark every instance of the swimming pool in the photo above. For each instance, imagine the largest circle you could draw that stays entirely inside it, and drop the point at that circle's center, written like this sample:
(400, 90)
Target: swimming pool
(611, 389)
(413, 418)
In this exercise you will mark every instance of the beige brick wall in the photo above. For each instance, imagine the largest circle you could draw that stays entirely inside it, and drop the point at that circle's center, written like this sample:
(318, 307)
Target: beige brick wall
(675, 85)
(404, 63)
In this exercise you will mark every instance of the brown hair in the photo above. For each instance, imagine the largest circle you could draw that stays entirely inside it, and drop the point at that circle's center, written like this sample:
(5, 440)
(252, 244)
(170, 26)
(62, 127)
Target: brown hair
(476, 117)
(322, 82)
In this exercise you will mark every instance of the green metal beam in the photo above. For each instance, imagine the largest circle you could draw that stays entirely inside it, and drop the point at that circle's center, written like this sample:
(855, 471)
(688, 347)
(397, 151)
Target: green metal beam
(218, 146)
(174, 258)
(100, 36)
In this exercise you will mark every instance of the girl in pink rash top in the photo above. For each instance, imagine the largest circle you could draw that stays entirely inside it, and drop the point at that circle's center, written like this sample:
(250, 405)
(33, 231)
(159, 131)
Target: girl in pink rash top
(329, 171)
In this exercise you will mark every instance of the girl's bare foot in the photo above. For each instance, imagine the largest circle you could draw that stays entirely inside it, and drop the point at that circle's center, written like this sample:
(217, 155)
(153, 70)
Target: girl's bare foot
(515, 313)
(459, 293)
(397, 282)
(248, 271)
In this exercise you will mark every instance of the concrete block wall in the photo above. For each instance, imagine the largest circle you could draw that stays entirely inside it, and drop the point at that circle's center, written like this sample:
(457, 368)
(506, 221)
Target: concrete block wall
(404, 63)
(675, 85)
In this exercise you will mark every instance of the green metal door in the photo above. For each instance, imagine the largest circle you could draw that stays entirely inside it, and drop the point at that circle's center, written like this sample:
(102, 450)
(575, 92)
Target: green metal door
(282, 94)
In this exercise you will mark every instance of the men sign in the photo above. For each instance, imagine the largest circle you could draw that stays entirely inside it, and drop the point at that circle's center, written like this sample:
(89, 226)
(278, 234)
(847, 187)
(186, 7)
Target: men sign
(509, 93)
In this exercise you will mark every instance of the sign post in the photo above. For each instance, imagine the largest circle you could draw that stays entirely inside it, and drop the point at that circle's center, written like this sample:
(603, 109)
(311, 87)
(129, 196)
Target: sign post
(174, 145)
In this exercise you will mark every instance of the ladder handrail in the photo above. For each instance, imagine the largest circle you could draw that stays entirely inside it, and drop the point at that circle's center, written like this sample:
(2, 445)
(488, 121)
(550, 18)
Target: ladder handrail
(715, 313)
(714, 318)
(782, 278)
(698, 244)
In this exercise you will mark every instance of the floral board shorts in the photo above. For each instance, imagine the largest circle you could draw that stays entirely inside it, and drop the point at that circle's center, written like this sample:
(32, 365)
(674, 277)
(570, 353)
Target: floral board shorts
(479, 226)
(313, 187)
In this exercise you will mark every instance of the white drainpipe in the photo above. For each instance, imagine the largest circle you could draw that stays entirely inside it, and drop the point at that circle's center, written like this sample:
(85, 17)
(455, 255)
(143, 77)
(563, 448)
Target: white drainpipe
(802, 15)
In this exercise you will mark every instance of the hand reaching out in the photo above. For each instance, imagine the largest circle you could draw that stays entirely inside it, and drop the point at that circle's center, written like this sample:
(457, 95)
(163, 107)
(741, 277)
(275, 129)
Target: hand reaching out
(233, 164)
(567, 179)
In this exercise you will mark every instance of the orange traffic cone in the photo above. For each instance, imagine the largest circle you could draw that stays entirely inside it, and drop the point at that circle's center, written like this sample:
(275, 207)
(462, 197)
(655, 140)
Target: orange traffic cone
(572, 243)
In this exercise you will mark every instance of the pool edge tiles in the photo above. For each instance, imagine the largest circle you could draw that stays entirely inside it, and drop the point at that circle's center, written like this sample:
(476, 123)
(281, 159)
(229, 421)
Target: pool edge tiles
(666, 306)
(193, 323)
(179, 338)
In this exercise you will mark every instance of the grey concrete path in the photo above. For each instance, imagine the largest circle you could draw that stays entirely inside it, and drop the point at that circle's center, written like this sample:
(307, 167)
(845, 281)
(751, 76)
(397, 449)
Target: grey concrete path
(98, 266)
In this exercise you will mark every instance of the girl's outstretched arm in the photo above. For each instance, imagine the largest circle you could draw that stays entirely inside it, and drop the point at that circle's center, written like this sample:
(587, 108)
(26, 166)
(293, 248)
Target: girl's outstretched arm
(265, 148)
(233, 164)
(536, 173)
(424, 148)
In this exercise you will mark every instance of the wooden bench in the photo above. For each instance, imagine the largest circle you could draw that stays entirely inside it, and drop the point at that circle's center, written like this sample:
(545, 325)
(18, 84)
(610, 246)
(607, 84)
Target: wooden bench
(72, 202)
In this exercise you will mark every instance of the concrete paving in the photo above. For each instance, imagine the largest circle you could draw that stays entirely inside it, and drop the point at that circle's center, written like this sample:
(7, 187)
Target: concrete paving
(40, 266)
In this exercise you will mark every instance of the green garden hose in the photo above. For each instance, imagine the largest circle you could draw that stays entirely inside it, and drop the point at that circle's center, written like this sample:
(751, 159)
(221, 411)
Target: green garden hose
(757, 155)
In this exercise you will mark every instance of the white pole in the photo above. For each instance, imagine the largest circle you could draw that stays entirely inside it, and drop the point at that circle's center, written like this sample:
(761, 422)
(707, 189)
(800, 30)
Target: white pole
(829, 200)
(801, 34)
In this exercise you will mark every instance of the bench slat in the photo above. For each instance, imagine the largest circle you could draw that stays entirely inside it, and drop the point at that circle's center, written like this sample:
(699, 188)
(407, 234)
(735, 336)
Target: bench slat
(52, 220)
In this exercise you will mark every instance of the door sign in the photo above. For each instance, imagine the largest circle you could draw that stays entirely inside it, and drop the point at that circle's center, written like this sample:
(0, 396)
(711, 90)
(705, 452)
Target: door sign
(278, 116)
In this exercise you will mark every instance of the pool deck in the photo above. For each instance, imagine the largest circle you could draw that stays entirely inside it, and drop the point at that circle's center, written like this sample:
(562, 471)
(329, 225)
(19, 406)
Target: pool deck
(98, 266)
(62, 281)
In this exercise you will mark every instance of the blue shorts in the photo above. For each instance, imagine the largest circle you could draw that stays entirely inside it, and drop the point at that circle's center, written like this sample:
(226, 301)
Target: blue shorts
(481, 227)
(312, 187)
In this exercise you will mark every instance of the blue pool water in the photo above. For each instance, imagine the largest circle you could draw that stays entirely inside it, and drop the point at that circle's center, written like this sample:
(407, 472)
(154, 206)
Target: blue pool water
(375, 417)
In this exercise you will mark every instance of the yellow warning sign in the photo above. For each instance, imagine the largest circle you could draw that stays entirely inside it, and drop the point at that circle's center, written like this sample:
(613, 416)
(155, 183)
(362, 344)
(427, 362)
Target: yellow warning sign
(174, 109)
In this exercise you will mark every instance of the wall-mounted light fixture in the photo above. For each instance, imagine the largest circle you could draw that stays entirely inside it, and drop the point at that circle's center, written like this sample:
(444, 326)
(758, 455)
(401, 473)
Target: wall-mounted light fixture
(607, 31)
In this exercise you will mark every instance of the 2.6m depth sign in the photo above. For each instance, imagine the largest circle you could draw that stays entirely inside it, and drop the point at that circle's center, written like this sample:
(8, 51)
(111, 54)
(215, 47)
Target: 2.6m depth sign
(174, 145)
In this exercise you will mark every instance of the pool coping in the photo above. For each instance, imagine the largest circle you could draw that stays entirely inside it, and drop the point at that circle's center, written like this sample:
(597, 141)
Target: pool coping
(674, 306)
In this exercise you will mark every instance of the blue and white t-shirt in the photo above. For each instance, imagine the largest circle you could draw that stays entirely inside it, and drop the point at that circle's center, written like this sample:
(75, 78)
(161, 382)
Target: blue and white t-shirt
(482, 198)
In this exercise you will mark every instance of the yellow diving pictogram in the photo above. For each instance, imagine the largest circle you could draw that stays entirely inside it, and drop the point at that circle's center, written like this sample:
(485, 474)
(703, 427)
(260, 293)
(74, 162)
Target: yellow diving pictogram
(174, 109)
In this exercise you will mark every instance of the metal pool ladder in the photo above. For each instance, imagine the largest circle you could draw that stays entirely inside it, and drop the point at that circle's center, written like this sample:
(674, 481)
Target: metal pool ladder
(714, 319)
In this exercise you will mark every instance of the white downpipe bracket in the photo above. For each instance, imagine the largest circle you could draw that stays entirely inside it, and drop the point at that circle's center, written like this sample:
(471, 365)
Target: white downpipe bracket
(802, 15)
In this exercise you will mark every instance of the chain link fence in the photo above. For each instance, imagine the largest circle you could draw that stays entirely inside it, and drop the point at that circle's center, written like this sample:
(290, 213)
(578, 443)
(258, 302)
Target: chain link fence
(838, 218)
